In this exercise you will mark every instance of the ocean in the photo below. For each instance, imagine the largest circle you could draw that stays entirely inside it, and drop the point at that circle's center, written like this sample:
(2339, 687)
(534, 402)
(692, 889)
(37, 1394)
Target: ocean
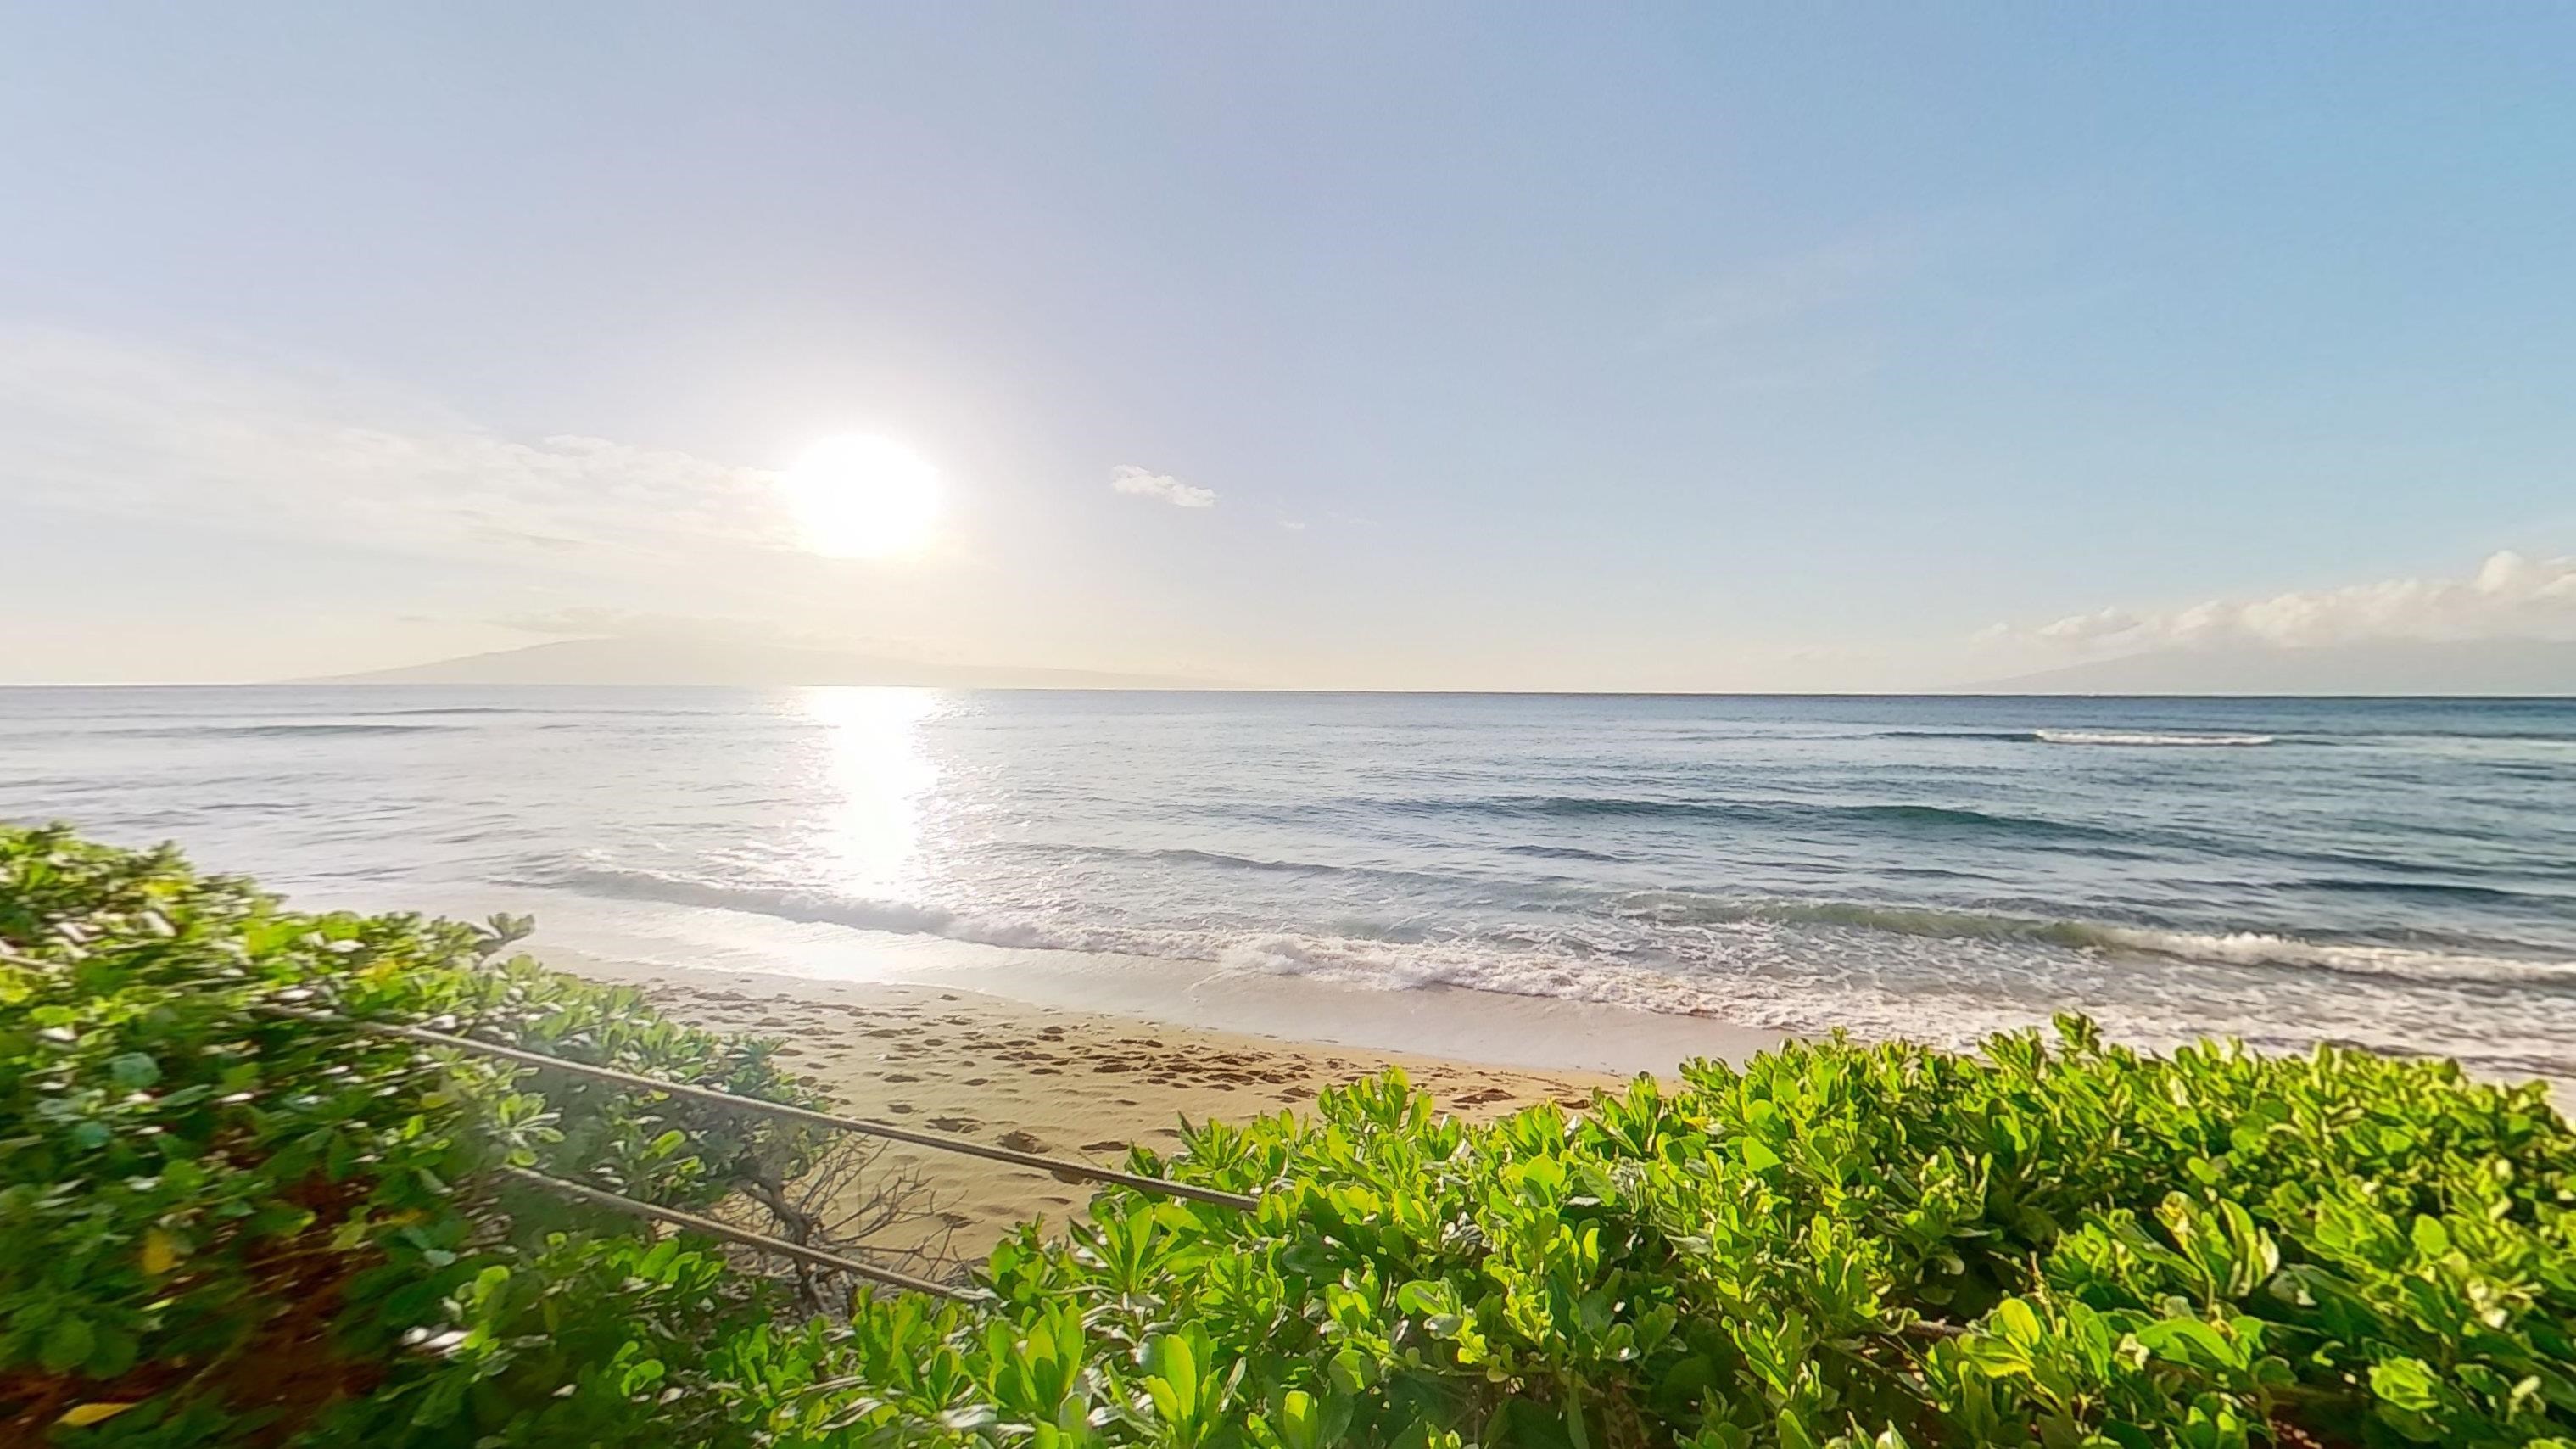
(2399, 874)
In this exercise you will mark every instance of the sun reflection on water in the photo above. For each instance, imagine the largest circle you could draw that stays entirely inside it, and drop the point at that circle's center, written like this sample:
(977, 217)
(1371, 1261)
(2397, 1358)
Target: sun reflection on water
(875, 775)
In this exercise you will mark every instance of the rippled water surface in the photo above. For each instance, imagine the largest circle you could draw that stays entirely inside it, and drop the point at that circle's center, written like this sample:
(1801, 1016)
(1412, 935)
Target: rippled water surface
(2396, 873)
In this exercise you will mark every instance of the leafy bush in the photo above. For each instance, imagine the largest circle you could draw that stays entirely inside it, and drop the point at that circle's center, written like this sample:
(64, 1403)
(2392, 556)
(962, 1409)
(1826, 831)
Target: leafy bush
(2046, 1244)
(220, 1222)
(1836, 1244)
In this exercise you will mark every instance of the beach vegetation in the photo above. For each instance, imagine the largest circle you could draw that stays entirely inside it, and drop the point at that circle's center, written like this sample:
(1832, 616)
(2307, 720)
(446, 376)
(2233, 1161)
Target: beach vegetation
(224, 1218)
(222, 1225)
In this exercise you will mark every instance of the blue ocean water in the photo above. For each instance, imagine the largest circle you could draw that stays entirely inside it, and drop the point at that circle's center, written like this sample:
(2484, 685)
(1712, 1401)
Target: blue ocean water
(2396, 873)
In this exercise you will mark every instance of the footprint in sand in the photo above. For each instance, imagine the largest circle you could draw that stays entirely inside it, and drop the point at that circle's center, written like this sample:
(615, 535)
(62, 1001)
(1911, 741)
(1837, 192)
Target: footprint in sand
(953, 1124)
(903, 1109)
(1106, 1144)
(1022, 1142)
(974, 1081)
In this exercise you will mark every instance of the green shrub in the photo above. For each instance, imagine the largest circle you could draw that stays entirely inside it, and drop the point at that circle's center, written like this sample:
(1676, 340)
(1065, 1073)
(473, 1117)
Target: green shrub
(219, 1222)
(2048, 1244)
(1836, 1244)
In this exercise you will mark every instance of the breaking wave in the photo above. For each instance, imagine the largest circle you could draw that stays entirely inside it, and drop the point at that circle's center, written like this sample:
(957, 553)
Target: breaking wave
(1611, 967)
(2077, 737)
(1764, 812)
(2222, 948)
(784, 903)
(2115, 737)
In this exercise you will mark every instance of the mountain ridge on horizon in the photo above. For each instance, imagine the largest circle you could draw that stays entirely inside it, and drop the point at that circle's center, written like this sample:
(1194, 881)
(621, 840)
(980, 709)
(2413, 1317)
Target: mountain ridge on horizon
(2516, 668)
(638, 661)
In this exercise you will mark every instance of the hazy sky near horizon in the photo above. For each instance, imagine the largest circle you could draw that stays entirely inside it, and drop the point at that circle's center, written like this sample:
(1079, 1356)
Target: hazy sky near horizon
(1436, 345)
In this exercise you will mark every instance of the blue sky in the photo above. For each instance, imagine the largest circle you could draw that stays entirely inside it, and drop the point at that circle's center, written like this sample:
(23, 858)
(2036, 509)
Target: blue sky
(1812, 347)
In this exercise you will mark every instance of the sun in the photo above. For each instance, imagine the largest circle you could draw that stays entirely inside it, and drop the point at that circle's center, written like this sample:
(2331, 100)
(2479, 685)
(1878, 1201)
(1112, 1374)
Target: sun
(862, 497)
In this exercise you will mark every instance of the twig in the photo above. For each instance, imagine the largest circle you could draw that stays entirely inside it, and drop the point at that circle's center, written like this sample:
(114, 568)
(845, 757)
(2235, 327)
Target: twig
(729, 1233)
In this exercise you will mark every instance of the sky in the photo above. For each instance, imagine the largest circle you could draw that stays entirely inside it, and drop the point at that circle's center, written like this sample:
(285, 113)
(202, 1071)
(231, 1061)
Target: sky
(1423, 346)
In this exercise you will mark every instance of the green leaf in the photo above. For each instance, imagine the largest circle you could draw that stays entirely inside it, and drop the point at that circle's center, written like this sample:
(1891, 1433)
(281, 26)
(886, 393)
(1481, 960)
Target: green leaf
(2430, 1239)
(134, 1070)
(113, 1354)
(67, 1344)
(1349, 1372)
(2406, 1383)
(1299, 1425)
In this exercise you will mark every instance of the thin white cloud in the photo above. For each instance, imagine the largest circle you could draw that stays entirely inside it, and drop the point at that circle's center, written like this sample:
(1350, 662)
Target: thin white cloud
(1145, 483)
(2509, 596)
(586, 621)
(106, 428)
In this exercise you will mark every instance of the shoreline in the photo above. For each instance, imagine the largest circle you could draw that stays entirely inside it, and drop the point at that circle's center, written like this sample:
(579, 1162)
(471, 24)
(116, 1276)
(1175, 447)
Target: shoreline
(1453, 1023)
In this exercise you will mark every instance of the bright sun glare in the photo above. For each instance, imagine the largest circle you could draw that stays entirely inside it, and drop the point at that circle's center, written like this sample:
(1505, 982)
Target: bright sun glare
(862, 497)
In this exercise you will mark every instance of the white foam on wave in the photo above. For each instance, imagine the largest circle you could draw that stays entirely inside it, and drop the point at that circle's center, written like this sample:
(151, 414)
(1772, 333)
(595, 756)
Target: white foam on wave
(1467, 966)
(794, 904)
(2217, 948)
(2114, 737)
(2256, 948)
(1564, 966)
(1797, 970)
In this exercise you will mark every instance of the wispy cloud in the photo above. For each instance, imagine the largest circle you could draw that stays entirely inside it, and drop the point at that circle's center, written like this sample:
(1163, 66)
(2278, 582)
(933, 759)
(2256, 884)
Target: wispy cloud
(2509, 596)
(103, 427)
(585, 621)
(1145, 483)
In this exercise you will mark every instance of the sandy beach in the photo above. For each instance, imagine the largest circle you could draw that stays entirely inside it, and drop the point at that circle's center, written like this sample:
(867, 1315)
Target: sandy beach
(1039, 1078)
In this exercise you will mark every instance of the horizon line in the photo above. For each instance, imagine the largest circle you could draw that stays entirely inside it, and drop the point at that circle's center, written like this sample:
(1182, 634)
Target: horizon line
(1948, 693)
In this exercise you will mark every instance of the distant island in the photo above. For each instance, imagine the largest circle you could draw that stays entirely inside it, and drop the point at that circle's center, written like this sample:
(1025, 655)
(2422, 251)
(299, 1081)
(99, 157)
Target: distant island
(2501, 667)
(686, 662)
(2511, 667)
